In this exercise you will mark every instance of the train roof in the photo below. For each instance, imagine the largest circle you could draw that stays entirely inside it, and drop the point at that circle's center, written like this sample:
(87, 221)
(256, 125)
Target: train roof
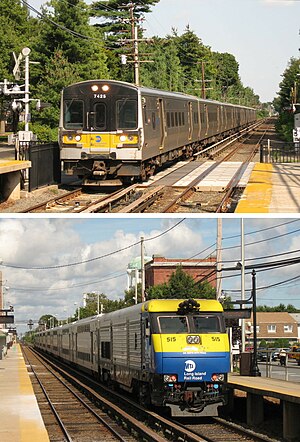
(159, 92)
(171, 305)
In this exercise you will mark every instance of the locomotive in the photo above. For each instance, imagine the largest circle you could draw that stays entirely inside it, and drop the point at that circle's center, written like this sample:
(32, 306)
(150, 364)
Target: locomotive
(113, 132)
(170, 353)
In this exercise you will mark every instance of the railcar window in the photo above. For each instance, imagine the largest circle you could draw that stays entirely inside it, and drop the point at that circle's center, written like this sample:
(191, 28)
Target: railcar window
(73, 114)
(168, 119)
(126, 114)
(173, 324)
(100, 116)
(207, 324)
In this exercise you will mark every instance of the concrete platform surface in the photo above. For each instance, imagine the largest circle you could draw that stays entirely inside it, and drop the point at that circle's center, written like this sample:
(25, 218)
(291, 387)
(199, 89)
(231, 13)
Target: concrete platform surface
(274, 387)
(20, 417)
(7, 166)
(272, 188)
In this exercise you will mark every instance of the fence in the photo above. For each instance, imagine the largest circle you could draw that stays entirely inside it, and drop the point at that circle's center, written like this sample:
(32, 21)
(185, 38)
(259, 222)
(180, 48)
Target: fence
(45, 163)
(279, 152)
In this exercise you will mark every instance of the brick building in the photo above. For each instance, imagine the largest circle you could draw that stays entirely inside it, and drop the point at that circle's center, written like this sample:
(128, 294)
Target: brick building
(159, 269)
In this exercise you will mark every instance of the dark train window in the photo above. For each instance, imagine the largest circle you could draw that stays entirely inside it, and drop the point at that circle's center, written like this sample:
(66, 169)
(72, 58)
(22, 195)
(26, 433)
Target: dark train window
(168, 119)
(176, 118)
(105, 349)
(100, 116)
(173, 324)
(73, 114)
(207, 324)
(179, 118)
(172, 119)
(153, 121)
(126, 114)
(182, 114)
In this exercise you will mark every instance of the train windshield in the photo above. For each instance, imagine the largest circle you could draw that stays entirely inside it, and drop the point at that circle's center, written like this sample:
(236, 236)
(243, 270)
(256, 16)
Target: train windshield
(126, 111)
(73, 114)
(209, 323)
(173, 324)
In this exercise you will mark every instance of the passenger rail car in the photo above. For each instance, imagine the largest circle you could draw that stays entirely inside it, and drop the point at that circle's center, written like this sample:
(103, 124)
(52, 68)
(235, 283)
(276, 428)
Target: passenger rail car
(112, 130)
(171, 353)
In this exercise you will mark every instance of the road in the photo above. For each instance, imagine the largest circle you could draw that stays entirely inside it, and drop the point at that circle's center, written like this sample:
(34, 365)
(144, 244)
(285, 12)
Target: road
(289, 373)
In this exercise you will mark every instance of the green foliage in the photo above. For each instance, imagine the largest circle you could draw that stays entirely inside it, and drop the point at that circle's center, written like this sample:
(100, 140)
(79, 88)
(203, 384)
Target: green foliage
(288, 94)
(278, 308)
(181, 286)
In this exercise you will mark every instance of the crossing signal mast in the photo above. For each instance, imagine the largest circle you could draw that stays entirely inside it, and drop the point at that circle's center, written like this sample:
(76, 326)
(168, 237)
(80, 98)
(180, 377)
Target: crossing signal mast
(20, 95)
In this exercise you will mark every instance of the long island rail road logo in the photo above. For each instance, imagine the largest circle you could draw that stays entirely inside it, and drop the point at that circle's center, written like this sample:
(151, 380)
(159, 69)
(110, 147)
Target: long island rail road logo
(190, 373)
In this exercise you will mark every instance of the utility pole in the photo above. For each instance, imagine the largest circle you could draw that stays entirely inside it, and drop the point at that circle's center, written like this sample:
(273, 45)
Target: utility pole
(243, 280)
(135, 48)
(142, 269)
(219, 258)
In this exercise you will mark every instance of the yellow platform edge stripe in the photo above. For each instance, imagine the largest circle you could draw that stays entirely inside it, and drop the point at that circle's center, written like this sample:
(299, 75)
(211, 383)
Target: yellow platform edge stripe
(258, 192)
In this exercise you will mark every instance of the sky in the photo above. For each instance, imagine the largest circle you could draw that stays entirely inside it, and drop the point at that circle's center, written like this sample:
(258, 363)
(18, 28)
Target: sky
(263, 35)
(48, 263)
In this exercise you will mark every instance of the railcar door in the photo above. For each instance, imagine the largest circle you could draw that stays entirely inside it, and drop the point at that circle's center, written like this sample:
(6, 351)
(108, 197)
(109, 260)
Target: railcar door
(162, 123)
(99, 122)
(146, 344)
(190, 119)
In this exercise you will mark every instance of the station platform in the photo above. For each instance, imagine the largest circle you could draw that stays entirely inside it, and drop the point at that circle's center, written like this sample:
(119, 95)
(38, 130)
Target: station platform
(272, 188)
(257, 388)
(20, 417)
(10, 172)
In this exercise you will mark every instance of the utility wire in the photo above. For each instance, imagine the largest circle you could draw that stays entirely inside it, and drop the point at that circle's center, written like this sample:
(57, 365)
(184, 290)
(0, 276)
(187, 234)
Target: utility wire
(97, 257)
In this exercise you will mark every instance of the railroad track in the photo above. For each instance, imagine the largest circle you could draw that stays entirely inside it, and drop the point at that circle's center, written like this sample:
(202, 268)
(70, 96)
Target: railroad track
(142, 424)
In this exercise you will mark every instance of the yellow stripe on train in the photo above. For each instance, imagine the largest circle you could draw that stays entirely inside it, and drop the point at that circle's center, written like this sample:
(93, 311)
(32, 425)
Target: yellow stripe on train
(100, 140)
(176, 343)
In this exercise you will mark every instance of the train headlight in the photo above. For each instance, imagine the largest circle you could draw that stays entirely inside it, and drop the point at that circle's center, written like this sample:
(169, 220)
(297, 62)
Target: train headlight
(123, 138)
(218, 377)
(70, 137)
(193, 339)
(78, 138)
(170, 378)
(105, 88)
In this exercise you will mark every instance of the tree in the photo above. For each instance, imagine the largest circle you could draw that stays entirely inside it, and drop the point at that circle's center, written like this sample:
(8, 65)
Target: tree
(288, 94)
(182, 286)
(118, 18)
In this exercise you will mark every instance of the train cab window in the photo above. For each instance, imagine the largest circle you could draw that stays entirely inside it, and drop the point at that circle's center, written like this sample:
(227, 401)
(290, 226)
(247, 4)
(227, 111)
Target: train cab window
(126, 114)
(73, 114)
(173, 324)
(99, 116)
(207, 324)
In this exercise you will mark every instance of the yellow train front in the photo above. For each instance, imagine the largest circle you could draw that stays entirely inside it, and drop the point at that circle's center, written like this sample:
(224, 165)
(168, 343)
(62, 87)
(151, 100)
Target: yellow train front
(190, 355)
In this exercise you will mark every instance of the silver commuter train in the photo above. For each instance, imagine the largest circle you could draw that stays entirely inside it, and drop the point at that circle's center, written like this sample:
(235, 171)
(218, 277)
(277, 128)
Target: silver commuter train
(113, 130)
(171, 353)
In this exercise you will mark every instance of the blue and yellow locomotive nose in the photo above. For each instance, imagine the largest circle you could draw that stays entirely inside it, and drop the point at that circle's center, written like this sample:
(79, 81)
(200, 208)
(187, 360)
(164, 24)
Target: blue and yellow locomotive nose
(191, 358)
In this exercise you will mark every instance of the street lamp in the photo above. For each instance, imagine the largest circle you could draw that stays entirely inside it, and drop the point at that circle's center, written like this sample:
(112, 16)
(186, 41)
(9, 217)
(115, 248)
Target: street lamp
(254, 367)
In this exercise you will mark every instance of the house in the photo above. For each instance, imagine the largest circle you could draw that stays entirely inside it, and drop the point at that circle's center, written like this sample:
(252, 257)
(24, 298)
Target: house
(272, 326)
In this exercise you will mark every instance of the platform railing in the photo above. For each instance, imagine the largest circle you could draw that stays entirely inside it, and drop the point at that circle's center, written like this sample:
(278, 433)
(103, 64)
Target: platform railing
(279, 152)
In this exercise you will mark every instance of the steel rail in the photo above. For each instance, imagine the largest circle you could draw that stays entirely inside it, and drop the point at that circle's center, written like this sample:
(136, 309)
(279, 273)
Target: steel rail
(81, 401)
